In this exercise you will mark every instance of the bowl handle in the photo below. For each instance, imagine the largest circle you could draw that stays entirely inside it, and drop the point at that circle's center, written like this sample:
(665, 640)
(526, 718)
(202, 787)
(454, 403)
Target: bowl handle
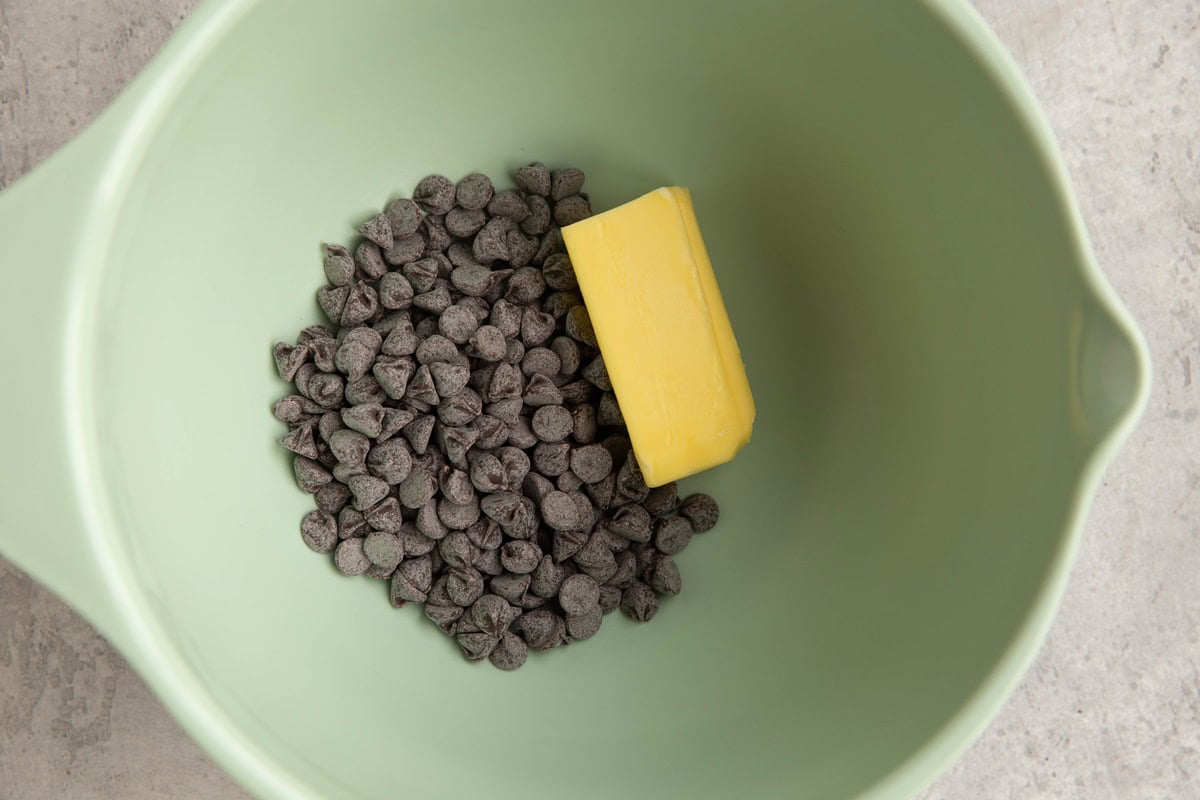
(44, 525)
(1109, 371)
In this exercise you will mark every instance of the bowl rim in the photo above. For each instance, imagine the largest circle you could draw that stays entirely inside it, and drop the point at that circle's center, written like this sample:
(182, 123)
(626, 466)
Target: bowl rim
(942, 750)
(136, 116)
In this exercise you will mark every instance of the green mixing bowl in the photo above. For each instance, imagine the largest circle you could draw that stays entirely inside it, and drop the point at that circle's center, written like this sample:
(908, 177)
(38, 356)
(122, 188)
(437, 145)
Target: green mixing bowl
(941, 375)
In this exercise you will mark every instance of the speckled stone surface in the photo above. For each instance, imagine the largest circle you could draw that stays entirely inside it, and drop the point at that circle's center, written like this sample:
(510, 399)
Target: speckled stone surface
(1111, 710)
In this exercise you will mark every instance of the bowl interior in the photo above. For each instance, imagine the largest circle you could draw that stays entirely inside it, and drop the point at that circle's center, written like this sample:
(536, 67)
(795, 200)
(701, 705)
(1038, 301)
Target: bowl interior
(903, 284)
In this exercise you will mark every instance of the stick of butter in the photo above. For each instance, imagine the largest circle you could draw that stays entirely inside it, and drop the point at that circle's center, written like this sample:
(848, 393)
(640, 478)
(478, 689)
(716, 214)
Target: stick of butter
(664, 334)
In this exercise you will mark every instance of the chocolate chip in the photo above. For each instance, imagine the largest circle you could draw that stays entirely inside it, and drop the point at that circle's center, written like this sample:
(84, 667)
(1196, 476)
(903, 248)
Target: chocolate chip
(402, 340)
(541, 391)
(458, 324)
(404, 215)
(521, 248)
(639, 602)
(508, 203)
(506, 316)
(450, 383)
(405, 250)
(579, 594)
(510, 653)
(417, 489)
(464, 586)
(560, 512)
(541, 361)
(339, 266)
(421, 389)
(366, 418)
(491, 243)
(579, 326)
(525, 286)
(349, 447)
(584, 626)
(520, 557)
(541, 629)
(383, 550)
(300, 441)
(571, 209)
(477, 646)
(663, 576)
(332, 497)
(474, 191)
(444, 616)
(511, 586)
(491, 432)
(319, 531)
(350, 558)
(631, 522)
(701, 510)
(672, 535)
(565, 182)
(418, 432)
(435, 194)
(487, 474)
(567, 543)
(627, 570)
(465, 223)
(576, 392)
(436, 300)
(437, 240)
(367, 490)
(663, 500)
(584, 428)
(332, 300)
(395, 291)
(552, 459)
(591, 462)
(540, 216)
(487, 343)
(536, 328)
(596, 559)
(533, 178)
(552, 423)
(610, 599)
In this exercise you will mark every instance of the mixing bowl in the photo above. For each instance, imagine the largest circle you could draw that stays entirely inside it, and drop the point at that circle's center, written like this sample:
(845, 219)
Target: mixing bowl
(941, 375)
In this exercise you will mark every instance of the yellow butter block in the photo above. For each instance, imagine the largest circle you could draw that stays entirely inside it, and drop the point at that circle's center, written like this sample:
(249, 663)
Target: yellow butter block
(664, 333)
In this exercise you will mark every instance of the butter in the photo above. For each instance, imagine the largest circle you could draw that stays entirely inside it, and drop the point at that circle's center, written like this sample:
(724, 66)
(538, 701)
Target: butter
(665, 335)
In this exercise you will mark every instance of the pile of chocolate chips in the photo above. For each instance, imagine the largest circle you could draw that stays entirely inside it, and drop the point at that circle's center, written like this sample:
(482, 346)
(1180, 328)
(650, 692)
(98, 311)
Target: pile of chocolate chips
(458, 430)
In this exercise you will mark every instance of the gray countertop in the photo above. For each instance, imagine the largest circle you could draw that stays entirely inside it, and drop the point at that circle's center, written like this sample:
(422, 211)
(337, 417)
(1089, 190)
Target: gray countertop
(1110, 711)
